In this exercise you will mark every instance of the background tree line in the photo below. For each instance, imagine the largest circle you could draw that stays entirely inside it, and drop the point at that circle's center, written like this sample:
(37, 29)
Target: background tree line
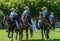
(35, 6)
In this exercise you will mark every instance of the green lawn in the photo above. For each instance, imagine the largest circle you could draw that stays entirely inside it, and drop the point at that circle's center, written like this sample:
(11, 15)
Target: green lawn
(54, 36)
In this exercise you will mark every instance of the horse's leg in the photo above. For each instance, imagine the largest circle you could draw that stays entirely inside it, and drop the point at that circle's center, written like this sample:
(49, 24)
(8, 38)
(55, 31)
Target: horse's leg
(45, 33)
(47, 36)
(9, 34)
(31, 32)
(16, 35)
(27, 34)
(12, 36)
(21, 35)
(42, 34)
(53, 27)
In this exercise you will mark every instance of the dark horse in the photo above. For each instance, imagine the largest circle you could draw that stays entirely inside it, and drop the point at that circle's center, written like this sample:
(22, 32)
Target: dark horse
(44, 26)
(52, 23)
(11, 27)
(25, 26)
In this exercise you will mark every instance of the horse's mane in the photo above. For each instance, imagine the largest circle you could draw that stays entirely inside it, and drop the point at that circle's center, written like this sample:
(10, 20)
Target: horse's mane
(8, 20)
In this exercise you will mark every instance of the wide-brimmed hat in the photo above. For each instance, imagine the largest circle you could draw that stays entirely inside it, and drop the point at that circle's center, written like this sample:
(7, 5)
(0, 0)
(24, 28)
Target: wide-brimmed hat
(44, 8)
(12, 9)
(26, 7)
(52, 13)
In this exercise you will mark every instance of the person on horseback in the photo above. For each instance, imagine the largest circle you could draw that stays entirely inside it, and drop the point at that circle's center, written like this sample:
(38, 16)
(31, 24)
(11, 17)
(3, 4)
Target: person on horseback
(14, 16)
(27, 13)
(51, 16)
(45, 13)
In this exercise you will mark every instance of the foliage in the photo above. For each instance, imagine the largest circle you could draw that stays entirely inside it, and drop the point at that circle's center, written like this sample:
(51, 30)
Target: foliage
(35, 6)
(1, 14)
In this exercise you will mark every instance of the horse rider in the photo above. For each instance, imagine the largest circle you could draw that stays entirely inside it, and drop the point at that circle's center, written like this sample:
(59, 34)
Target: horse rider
(51, 16)
(14, 17)
(45, 13)
(27, 13)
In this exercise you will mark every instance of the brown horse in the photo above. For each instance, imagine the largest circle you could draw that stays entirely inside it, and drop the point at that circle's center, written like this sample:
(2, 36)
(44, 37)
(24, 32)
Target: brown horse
(25, 26)
(11, 27)
(44, 26)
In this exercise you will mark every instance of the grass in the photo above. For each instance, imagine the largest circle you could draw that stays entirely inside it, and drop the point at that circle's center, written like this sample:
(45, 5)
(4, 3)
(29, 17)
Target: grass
(54, 36)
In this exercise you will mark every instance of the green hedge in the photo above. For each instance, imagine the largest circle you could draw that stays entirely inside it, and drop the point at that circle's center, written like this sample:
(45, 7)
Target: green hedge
(35, 6)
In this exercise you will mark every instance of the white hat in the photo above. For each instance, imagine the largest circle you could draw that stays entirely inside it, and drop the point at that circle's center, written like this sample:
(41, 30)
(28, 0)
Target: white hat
(44, 8)
(26, 7)
(52, 13)
(12, 9)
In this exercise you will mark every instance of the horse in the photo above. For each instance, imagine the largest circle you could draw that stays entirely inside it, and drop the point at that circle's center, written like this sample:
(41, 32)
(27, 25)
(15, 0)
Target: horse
(11, 27)
(44, 26)
(52, 23)
(25, 26)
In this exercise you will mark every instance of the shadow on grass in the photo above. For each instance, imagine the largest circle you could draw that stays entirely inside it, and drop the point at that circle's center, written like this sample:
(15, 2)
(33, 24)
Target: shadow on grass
(44, 40)
(2, 29)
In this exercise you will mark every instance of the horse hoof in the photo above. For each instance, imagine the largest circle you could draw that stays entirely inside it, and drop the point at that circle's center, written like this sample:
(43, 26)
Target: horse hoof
(11, 40)
(42, 39)
(31, 36)
(9, 37)
(20, 40)
(15, 38)
(48, 38)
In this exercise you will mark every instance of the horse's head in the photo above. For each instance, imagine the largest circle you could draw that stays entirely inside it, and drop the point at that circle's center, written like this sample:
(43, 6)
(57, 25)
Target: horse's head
(7, 18)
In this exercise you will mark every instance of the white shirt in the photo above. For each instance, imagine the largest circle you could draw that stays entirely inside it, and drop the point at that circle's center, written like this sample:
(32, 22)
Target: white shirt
(43, 12)
(25, 11)
(51, 16)
(12, 14)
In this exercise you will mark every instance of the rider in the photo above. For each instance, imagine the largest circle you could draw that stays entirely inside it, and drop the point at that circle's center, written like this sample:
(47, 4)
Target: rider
(51, 16)
(45, 13)
(27, 12)
(14, 16)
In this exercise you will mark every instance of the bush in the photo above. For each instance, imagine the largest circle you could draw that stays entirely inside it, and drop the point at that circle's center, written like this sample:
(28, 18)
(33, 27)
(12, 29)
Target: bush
(35, 6)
